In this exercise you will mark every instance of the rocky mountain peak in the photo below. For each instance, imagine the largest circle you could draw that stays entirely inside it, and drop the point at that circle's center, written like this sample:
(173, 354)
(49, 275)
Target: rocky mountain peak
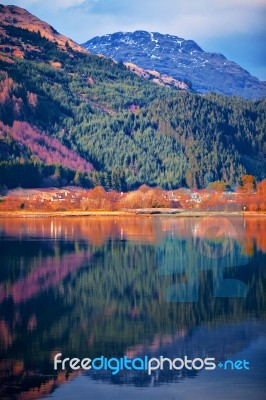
(181, 59)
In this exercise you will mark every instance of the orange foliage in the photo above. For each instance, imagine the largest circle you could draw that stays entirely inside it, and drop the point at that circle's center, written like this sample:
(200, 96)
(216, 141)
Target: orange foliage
(56, 64)
(6, 85)
(253, 207)
(97, 199)
(261, 188)
(262, 206)
(32, 99)
(144, 197)
(247, 184)
(18, 53)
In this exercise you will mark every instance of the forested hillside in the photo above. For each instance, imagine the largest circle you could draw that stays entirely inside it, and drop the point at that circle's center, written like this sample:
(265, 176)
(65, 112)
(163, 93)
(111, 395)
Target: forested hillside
(72, 117)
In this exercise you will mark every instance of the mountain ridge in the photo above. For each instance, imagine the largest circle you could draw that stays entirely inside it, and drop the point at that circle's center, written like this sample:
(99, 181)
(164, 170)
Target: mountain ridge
(17, 17)
(181, 59)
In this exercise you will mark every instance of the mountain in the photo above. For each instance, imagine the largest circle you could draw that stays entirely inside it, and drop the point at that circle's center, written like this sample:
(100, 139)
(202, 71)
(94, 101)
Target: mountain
(71, 117)
(181, 59)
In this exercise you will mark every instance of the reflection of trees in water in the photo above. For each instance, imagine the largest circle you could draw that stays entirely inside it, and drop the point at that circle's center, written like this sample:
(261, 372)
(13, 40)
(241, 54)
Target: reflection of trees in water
(114, 304)
(95, 230)
(51, 272)
(91, 229)
(255, 237)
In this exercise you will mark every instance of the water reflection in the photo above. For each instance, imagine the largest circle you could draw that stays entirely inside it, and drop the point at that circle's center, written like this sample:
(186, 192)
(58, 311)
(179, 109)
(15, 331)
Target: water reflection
(125, 286)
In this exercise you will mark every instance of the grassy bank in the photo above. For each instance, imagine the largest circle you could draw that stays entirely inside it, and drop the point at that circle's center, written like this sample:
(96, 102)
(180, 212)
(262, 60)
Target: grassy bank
(128, 213)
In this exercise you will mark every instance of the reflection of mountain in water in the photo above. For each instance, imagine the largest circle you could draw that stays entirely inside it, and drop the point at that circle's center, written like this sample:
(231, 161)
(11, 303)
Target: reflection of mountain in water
(83, 295)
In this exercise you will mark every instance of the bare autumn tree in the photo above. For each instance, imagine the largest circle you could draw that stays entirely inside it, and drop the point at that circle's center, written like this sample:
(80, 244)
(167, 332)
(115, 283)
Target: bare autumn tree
(247, 184)
(96, 199)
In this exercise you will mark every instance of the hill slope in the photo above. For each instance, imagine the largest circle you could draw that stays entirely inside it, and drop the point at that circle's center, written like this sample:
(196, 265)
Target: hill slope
(16, 17)
(181, 59)
(117, 129)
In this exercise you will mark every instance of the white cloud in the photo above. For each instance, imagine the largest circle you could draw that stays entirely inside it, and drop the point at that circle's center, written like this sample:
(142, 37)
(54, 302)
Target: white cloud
(190, 19)
(65, 3)
(193, 19)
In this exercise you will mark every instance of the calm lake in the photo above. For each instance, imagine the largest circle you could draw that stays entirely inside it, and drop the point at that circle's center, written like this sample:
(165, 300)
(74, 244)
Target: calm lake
(136, 287)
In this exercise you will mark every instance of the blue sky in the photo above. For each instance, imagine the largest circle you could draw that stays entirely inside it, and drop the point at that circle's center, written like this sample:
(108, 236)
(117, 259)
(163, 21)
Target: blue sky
(235, 28)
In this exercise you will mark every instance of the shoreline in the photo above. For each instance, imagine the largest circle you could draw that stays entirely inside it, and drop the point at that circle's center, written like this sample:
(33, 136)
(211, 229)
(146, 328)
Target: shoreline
(130, 213)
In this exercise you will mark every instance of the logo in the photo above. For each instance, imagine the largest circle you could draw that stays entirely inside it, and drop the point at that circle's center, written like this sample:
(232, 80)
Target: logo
(138, 364)
(211, 244)
(145, 363)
